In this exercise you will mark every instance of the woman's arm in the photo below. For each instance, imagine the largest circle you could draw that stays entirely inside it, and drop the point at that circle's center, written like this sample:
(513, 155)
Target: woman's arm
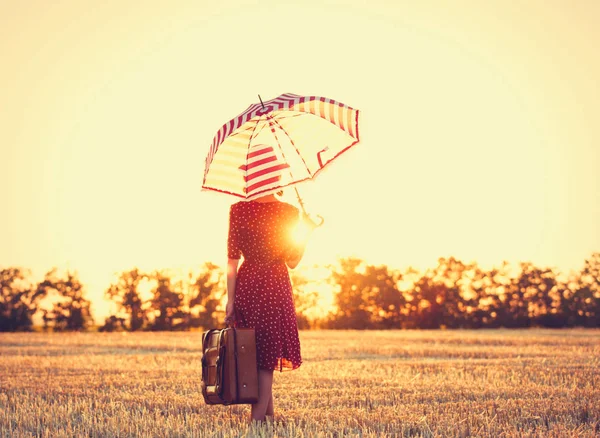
(233, 258)
(296, 251)
(232, 266)
(295, 255)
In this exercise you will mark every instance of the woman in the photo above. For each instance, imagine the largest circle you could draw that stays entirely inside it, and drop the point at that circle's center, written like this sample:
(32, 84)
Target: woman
(259, 294)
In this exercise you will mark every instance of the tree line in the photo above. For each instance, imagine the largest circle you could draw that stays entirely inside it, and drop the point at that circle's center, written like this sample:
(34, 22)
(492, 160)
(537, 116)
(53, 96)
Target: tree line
(452, 294)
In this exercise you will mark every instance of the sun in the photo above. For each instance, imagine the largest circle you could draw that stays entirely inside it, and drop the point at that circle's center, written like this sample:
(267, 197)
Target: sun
(300, 233)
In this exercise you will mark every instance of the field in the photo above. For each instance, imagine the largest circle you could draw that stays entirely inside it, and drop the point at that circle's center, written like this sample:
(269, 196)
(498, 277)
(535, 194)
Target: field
(352, 383)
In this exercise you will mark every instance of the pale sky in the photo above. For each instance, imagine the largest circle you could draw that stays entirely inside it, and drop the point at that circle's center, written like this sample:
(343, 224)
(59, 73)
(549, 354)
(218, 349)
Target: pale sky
(479, 125)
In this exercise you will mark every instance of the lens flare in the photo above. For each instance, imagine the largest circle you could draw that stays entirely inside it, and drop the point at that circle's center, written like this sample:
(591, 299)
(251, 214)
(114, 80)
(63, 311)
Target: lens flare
(300, 233)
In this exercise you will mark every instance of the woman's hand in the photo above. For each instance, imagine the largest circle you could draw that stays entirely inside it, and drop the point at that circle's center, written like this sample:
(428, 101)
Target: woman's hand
(229, 313)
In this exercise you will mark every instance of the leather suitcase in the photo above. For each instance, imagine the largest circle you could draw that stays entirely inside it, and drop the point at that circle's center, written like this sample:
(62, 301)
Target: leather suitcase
(229, 370)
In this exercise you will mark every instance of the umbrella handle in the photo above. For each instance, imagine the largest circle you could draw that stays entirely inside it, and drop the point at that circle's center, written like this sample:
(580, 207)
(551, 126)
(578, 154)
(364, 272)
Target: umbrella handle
(305, 214)
(322, 221)
(312, 223)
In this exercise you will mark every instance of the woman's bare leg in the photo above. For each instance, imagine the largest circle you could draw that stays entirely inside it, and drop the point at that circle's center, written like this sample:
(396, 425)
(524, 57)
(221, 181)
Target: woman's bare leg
(265, 387)
(270, 411)
(270, 405)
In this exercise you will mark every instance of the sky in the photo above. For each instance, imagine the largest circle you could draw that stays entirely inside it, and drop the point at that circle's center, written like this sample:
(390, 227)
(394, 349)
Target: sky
(478, 120)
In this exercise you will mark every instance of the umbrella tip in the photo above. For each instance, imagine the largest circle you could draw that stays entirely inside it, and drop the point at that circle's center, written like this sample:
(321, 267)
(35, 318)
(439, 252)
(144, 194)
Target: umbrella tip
(261, 102)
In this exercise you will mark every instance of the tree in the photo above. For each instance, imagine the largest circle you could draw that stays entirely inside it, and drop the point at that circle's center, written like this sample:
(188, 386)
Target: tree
(388, 300)
(113, 323)
(304, 300)
(207, 292)
(19, 299)
(124, 292)
(438, 295)
(367, 296)
(70, 309)
(591, 278)
(581, 304)
(167, 303)
(484, 296)
(353, 310)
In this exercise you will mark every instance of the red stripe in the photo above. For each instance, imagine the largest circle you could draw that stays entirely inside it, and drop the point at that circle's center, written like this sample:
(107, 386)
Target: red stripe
(230, 127)
(260, 152)
(266, 171)
(219, 141)
(263, 183)
(258, 163)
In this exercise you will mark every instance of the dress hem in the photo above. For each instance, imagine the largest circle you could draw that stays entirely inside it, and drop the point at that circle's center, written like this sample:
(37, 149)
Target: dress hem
(281, 368)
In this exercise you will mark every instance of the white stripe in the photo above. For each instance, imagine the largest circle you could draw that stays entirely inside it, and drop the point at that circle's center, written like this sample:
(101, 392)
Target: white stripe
(226, 174)
(312, 106)
(253, 160)
(328, 104)
(237, 154)
(235, 143)
(226, 162)
(268, 152)
(266, 166)
(245, 129)
(262, 192)
(335, 113)
(267, 187)
(224, 184)
(285, 176)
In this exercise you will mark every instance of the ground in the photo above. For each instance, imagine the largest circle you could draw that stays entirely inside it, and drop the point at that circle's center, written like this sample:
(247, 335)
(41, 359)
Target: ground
(352, 383)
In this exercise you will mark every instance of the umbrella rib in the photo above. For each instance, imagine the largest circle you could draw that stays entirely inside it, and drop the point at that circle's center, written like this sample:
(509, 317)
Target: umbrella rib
(292, 143)
(306, 114)
(248, 152)
(240, 131)
(280, 148)
(282, 116)
(263, 127)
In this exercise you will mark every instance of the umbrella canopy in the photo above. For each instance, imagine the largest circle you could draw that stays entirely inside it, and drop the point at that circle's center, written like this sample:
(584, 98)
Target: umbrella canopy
(278, 143)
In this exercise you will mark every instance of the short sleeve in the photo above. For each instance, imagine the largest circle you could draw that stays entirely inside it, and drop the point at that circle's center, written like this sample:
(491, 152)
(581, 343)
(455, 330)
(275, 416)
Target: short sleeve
(233, 237)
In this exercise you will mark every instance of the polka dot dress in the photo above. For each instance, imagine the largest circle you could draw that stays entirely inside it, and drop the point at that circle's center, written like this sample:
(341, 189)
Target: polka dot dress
(261, 233)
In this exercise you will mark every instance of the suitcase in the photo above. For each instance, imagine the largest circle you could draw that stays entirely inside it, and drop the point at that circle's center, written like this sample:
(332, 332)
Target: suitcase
(229, 370)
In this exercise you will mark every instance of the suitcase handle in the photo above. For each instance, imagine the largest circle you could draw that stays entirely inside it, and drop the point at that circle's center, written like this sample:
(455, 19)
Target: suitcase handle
(219, 378)
(204, 341)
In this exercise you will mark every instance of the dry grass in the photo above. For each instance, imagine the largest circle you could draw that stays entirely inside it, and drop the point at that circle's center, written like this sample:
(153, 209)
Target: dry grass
(372, 384)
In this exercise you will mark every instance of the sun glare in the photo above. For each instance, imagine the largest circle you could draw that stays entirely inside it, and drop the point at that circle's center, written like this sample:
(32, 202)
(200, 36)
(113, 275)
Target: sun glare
(300, 233)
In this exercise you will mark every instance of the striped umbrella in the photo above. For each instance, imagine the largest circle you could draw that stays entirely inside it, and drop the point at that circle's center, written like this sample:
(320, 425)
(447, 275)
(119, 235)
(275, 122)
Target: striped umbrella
(278, 143)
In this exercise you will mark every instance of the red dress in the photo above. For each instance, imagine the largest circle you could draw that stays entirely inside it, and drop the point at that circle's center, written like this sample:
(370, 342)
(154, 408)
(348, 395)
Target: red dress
(261, 232)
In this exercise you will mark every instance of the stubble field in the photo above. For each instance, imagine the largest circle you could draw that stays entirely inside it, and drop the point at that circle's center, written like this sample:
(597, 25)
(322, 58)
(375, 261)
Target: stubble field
(352, 383)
